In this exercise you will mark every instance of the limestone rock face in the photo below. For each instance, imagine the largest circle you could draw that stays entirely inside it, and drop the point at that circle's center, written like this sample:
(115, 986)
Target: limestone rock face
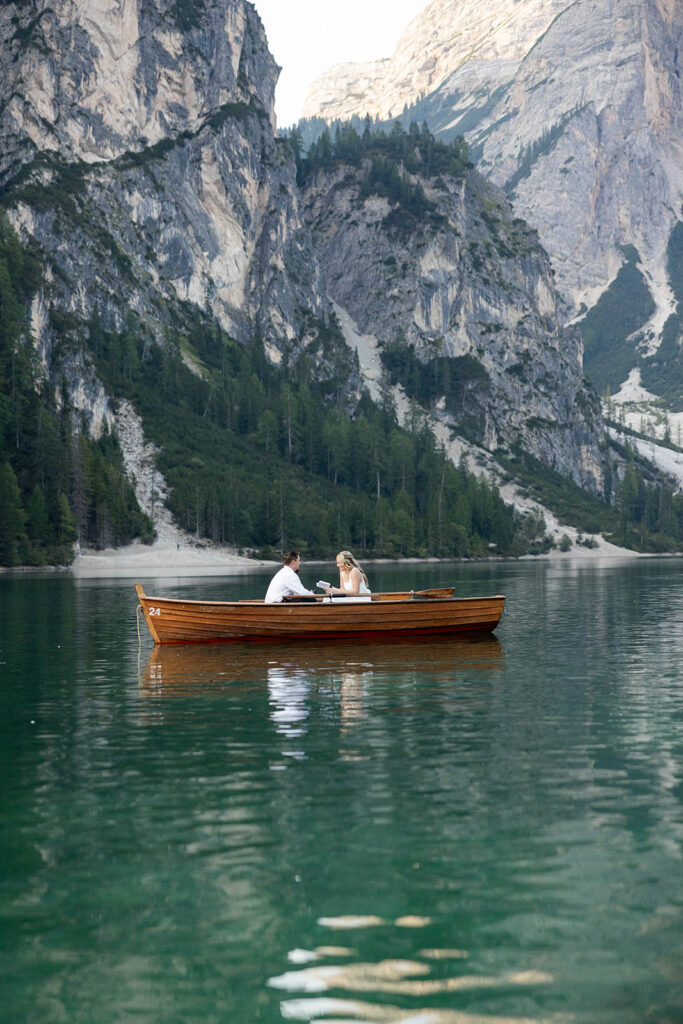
(595, 113)
(138, 151)
(448, 35)
(344, 90)
(573, 106)
(479, 286)
(90, 81)
(138, 157)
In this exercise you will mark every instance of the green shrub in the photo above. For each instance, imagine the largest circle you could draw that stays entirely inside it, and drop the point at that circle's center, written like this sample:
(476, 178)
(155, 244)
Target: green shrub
(626, 306)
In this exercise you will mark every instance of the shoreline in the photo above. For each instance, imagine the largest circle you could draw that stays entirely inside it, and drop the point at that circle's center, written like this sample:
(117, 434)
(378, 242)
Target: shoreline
(170, 560)
(164, 558)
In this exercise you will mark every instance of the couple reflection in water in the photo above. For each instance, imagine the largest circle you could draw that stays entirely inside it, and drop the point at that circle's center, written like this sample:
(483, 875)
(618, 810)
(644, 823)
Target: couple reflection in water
(291, 690)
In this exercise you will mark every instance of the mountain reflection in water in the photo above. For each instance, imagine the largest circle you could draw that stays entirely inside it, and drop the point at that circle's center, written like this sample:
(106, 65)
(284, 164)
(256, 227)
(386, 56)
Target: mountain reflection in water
(404, 977)
(449, 831)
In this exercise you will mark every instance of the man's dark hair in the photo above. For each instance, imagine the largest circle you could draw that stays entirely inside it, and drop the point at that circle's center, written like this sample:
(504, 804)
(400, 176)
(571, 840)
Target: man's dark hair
(290, 556)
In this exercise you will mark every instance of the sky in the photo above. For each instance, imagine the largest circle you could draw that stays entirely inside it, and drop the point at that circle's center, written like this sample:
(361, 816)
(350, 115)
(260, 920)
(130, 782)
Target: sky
(307, 37)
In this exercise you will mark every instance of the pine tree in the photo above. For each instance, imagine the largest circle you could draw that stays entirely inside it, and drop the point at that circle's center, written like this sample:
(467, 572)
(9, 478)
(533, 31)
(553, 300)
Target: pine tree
(12, 517)
(37, 525)
(68, 532)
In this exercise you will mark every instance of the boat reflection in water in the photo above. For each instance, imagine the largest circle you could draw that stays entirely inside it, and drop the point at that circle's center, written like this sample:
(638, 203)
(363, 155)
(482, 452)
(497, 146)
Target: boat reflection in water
(297, 675)
(177, 670)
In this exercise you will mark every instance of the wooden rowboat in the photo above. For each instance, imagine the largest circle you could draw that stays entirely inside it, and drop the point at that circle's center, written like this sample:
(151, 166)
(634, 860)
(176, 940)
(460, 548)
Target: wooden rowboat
(406, 613)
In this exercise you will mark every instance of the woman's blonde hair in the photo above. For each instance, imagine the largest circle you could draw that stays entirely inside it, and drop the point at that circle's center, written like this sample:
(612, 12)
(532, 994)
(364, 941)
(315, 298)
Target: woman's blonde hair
(350, 563)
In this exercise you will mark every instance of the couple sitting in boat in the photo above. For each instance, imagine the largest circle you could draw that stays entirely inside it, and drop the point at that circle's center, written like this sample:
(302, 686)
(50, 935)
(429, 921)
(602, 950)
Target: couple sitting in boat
(286, 583)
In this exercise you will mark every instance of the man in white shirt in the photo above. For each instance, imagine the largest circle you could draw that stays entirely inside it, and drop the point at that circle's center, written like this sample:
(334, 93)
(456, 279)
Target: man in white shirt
(286, 582)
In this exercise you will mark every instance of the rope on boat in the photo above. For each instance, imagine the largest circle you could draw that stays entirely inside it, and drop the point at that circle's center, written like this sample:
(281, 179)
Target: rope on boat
(137, 616)
(138, 610)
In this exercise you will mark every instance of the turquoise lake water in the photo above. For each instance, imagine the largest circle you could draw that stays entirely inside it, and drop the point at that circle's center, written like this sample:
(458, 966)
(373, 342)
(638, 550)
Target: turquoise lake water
(442, 832)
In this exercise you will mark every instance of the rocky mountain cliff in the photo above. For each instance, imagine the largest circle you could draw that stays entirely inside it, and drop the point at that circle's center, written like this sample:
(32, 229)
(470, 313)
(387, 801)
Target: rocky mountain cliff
(574, 108)
(590, 138)
(481, 43)
(459, 297)
(138, 152)
(140, 165)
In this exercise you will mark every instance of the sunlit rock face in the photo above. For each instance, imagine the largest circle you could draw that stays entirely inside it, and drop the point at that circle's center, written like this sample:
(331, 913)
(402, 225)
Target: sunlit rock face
(90, 81)
(139, 158)
(446, 36)
(574, 106)
(478, 286)
(595, 112)
(137, 147)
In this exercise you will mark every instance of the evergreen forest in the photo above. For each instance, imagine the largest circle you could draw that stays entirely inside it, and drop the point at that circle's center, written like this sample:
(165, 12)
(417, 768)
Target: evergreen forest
(265, 458)
(57, 485)
(257, 457)
(387, 153)
(260, 457)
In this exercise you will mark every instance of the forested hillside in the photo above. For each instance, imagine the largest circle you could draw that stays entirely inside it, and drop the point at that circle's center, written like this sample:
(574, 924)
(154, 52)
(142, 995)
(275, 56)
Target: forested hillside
(409, 168)
(170, 251)
(256, 457)
(265, 458)
(56, 484)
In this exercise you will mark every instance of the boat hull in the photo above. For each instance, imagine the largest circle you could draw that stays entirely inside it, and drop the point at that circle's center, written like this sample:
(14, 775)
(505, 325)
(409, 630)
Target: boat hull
(172, 621)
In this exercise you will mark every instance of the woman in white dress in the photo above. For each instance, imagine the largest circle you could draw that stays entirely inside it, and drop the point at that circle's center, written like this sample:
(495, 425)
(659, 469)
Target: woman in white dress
(352, 580)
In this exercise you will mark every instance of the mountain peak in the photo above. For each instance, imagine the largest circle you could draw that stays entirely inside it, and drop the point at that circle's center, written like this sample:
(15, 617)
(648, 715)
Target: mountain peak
(92, 81)
(445, 36)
